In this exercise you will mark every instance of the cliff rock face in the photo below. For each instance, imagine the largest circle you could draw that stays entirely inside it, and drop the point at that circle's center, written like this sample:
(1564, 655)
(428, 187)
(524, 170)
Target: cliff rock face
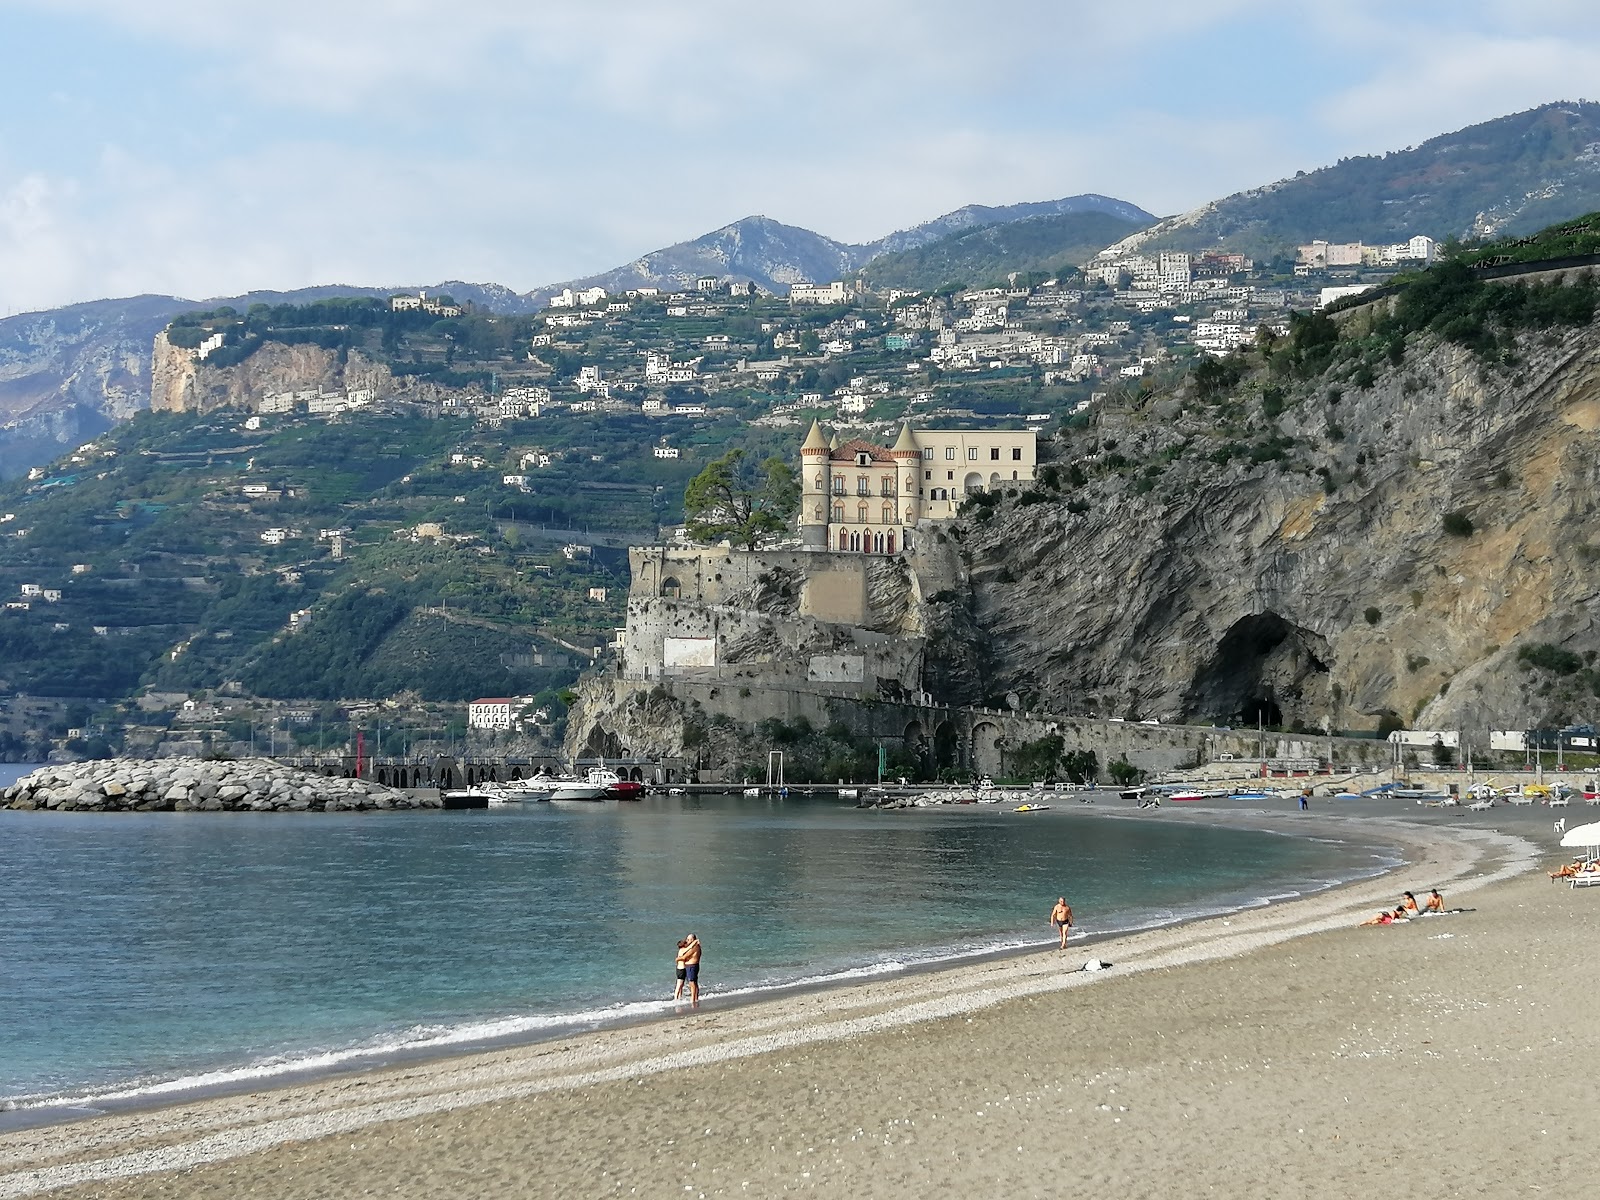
(1326, 598)
(68, 374)
(181, 383)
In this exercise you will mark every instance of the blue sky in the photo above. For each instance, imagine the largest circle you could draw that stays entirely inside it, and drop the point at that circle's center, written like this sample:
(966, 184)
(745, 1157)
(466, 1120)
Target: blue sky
(203, 149)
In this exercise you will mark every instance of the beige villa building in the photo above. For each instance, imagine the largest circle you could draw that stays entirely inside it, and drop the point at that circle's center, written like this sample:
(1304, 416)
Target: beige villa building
(856, 496)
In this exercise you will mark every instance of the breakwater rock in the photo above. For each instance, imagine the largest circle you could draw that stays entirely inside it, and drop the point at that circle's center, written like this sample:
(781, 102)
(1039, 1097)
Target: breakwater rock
(198, 785)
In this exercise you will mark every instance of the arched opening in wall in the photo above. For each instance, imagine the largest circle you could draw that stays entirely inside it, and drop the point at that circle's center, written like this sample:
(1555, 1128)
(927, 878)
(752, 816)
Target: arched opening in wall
(916, 745)
(636, 775)
(994, 479)
(671, 588)
(988, 744)
(946, 747)
(1264, 670)
(888, 543)
(446, 779)
(973, 483)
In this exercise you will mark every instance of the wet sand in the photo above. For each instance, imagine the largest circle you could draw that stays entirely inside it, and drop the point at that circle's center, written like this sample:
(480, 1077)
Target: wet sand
(1275, 1052)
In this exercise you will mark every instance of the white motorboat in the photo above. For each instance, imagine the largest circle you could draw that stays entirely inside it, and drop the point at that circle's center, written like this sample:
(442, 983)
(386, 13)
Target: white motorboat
(535, 787)
(577, 789)
(598, 784)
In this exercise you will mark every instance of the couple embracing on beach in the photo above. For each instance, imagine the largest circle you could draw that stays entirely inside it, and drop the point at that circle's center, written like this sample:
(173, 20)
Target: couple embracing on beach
(688, 969)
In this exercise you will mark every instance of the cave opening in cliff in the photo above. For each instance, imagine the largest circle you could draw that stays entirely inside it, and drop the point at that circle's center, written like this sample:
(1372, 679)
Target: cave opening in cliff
(1265, 670)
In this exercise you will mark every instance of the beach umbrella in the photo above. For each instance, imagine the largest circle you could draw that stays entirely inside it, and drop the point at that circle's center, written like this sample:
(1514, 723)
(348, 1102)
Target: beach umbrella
(1582, 835)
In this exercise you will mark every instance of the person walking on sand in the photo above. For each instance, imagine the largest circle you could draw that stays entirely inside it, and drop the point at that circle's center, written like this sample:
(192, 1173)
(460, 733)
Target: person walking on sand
(691, 967)
(1061, 918)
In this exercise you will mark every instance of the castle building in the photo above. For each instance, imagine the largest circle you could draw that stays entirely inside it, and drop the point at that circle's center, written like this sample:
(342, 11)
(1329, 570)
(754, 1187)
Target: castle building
(868, 499)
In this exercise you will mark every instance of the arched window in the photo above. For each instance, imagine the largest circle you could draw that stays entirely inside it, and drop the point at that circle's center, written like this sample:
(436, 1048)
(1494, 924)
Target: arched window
(863, 486)
(888, 514)
(861, 513)
(877, 543)
(888, 543)
(855, 541)
(838, 513)
(908, 483)
(817, 486)
(844, 539)
(888, 486)
(838, 485)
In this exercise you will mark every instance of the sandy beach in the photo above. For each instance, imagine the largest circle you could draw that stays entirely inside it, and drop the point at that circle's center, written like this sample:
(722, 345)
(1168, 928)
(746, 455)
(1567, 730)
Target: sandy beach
(1275, 1052)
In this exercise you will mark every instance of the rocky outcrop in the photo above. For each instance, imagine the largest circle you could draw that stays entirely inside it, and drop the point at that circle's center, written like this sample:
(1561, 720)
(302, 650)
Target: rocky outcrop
(179, 382)
(1325, 586)
(198, 785)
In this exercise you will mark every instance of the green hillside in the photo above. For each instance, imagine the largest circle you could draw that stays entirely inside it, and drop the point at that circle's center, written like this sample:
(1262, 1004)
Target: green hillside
(1507, 177)
(987, 255)
(140, 561)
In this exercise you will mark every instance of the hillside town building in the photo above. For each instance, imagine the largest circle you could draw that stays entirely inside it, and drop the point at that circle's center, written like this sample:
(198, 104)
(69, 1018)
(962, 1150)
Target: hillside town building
(865, 498)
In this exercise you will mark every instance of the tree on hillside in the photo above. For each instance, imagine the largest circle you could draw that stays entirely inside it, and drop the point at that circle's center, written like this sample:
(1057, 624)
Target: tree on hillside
(736, 500)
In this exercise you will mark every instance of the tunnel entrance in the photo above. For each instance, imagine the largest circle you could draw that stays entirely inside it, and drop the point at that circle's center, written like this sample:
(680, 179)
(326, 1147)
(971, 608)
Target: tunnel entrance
(1265, 670)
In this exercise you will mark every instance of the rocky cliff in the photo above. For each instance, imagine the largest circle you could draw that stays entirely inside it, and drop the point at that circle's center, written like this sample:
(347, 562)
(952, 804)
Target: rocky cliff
(68, 374)
(179, 382)
(1391, 545)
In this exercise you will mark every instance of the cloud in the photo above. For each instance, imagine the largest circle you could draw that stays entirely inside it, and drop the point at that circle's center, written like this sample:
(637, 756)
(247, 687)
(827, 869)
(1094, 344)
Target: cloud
(206, 149)
(1459, 80)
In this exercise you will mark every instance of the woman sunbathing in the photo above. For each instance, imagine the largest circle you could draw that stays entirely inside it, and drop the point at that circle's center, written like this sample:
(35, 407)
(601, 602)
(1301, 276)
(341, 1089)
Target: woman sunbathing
(1386, 917)
(1408, 904)
(1566, 871)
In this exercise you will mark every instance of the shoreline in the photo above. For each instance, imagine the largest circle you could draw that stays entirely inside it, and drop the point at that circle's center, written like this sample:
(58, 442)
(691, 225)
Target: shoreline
(23, 1113)
(184, 1135)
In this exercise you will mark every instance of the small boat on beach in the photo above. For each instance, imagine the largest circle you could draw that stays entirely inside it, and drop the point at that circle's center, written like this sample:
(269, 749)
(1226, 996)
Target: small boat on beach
(1031, 808)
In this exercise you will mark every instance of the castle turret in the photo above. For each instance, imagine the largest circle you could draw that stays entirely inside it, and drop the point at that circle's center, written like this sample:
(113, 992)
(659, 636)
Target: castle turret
(907, 457)
(815, 482)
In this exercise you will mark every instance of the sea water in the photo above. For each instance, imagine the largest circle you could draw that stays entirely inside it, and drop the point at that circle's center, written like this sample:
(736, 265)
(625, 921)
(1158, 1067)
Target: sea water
(146, 954)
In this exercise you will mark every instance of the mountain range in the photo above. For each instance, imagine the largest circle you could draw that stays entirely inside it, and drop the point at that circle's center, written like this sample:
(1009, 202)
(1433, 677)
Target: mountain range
(69, 373)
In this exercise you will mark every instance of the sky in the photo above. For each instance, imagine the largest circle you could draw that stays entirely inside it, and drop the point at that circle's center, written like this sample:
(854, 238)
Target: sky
(204, 149)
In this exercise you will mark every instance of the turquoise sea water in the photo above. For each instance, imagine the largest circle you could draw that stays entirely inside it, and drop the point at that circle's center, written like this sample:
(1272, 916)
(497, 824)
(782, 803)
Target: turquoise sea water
(144, 954)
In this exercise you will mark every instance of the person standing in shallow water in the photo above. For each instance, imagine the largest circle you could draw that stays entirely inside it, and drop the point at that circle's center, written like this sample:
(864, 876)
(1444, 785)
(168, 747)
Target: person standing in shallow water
(1061, 918)
(680, 969)
(691, 967)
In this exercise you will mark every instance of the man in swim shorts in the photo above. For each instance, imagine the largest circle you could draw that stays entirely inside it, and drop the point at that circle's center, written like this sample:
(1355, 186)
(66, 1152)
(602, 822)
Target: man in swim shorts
(1435, 901)
(691, 968)
(1061, 918)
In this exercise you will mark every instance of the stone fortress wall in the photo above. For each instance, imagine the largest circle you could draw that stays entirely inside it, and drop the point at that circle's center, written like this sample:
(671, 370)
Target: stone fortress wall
(844, 624)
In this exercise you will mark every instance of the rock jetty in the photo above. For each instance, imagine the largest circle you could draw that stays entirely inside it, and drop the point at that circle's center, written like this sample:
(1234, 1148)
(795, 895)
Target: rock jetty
(198, 785)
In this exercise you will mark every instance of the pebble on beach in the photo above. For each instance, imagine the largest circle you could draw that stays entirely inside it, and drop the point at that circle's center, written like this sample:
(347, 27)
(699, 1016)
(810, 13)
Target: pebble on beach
(198, 785)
